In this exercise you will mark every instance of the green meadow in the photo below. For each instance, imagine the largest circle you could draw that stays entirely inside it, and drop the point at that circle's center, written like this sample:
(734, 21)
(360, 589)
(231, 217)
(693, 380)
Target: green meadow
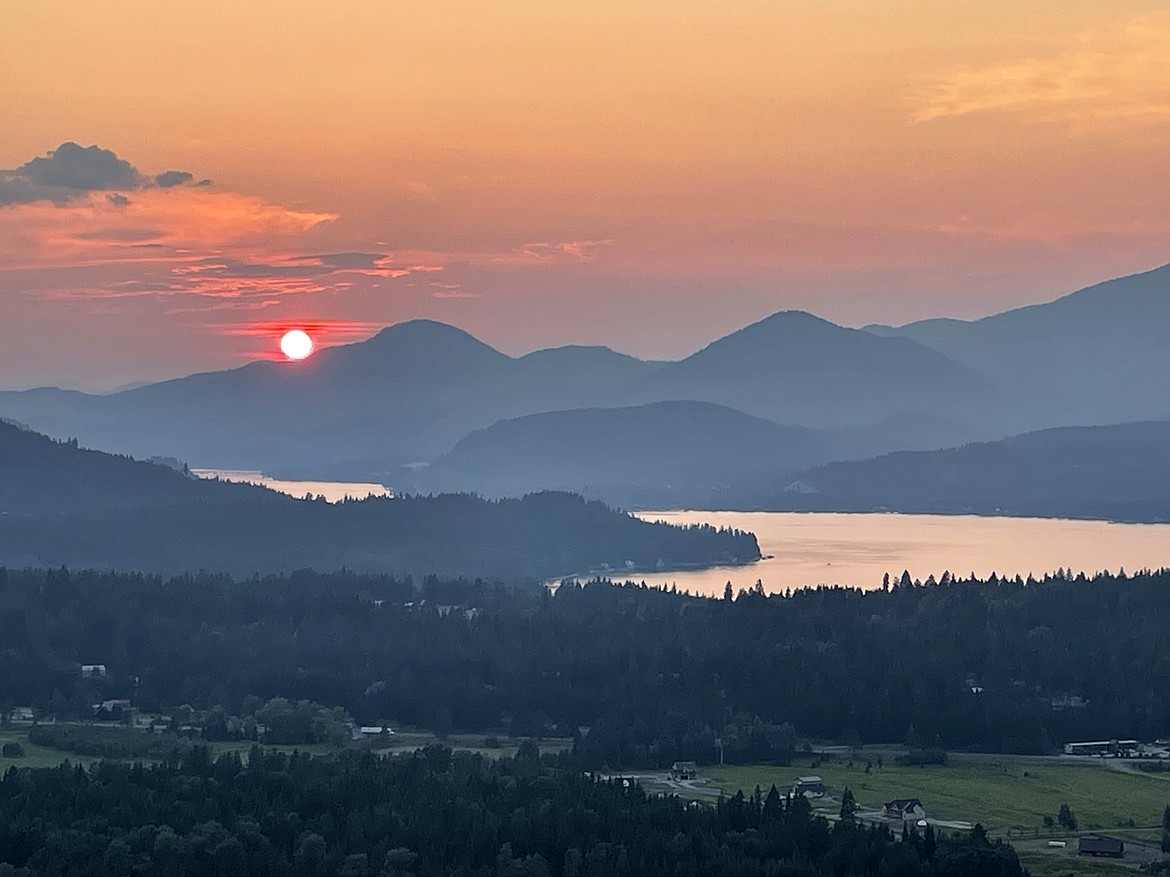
(1000, 792)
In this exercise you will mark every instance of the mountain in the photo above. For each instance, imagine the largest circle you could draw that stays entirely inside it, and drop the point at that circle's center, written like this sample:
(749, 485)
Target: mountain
(1096, 356)
(405, 395)
(660, 455)
(665, 453)
(1119, 472)
(795, 368)
(403, 399)
(61, 504)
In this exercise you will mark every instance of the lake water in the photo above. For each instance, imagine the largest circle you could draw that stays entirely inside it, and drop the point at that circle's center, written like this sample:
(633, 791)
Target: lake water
(333, 491)
(858, 549)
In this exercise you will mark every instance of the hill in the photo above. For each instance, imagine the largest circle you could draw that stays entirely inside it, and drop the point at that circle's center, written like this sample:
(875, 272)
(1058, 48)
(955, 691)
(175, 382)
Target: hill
(1095, 356)
(1111, 472)
(61, 504)
(663, 453)
(795, 368)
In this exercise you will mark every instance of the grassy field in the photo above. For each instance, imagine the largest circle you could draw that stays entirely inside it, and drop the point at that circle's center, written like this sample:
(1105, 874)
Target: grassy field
(1044, 862)
(403, 741)
(999, 792)
(406, 739)
(35, 756)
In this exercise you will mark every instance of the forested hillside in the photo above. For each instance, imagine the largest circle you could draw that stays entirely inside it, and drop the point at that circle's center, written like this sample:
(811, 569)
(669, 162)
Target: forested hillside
(1119, 473)
(60, 504)
(639, 677)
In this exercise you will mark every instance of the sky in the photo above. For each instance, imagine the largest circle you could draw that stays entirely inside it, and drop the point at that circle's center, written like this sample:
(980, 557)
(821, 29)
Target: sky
(178, 188)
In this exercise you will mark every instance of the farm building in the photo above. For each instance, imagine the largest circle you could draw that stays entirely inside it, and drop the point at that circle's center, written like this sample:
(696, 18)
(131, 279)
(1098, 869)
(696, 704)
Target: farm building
(905, 809)
(809, 787)
(684, 770)
(1097, 845)
(1119, 748)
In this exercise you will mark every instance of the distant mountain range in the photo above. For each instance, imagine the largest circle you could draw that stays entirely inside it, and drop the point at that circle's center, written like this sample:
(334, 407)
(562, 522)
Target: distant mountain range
(61, 504)
(423, 405)
(1100, 355)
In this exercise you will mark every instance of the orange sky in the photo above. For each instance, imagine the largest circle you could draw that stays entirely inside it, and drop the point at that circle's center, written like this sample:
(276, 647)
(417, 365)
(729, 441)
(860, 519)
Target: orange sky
(642, 174)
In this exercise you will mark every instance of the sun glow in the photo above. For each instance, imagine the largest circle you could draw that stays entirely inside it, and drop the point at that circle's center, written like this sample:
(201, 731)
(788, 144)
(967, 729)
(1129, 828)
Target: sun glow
(296, 344)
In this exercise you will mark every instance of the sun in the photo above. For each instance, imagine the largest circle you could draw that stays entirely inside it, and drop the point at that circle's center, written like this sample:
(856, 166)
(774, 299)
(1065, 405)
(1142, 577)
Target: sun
(296, 344)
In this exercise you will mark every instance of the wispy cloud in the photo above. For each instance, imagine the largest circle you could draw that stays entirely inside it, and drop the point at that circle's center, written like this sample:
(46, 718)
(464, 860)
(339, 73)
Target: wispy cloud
(1103, 77)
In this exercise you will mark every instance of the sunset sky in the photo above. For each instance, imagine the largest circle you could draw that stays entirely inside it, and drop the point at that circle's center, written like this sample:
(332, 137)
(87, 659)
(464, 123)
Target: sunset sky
(646, 175)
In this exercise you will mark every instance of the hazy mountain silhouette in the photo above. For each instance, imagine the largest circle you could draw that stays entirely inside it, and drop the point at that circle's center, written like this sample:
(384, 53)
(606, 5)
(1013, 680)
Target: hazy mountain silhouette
(657, 455)
(1099, 355)
(408, 395)
(61, 504)
(664, 452)
(405, 395)
(795, 368)
(1119, 472)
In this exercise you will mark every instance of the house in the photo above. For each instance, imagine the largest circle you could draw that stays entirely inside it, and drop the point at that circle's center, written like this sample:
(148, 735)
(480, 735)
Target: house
(1097, 845)
(904, 809)
(684, 770)
(809, 787)
(118, 705)
(22, 714)
(93, 671)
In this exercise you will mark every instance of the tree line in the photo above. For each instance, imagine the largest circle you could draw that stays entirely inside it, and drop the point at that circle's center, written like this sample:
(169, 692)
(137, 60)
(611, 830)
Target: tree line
(637, 676)
(432, 812)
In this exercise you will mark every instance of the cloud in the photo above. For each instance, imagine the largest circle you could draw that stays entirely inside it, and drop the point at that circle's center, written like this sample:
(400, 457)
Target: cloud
(118, 200)
(1103, 77)
(71, 171)
(174, 178)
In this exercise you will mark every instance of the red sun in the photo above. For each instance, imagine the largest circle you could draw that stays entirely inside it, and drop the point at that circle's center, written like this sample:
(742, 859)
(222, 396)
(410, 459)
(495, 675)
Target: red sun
(296, 344)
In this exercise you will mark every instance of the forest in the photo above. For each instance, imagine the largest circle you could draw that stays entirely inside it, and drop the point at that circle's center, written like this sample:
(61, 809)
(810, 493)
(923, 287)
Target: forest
(433, 812)
(637, 676)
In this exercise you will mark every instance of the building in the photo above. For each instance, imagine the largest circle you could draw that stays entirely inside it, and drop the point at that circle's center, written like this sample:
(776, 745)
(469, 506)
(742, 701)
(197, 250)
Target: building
(684, 770)
(904, 809)
(809, 787)
(113, 707)
(93, 671)
(1117, 748)
(1099, 846)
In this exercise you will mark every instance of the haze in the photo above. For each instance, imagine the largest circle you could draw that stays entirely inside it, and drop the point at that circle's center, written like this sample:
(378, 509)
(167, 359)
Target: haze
(646, 176)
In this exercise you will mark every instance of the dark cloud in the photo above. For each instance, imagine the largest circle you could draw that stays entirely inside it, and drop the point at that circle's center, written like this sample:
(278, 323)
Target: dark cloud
(172, 178)
(70, 171)
(85, 168)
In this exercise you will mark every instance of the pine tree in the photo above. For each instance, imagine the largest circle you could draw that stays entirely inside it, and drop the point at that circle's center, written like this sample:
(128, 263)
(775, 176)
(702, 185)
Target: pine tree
(1166, 829)
(848, 805)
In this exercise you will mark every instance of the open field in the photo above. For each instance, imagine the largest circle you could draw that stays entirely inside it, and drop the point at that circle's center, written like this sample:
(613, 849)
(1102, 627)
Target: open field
(405, 740)
(35, 756)
(1002, 793)
(1041, 861)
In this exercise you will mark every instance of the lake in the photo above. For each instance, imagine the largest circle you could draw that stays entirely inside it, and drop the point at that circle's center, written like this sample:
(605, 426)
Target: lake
(333, 491)
(858, 549)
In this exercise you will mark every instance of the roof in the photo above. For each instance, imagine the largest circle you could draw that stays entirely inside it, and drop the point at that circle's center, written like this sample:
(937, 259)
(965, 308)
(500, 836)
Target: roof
(684, 765)
(903, 804)
(1096, 843)
(810, 779)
